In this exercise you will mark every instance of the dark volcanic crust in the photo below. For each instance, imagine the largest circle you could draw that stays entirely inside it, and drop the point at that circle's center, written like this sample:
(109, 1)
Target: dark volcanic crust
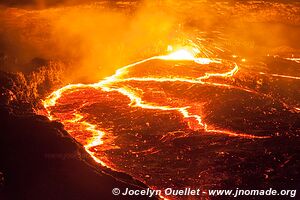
(164, 149)
(39, 160)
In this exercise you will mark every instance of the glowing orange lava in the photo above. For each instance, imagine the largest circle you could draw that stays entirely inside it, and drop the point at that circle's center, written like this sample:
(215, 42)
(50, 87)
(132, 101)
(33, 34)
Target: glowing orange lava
(282, 76)
(136, 99)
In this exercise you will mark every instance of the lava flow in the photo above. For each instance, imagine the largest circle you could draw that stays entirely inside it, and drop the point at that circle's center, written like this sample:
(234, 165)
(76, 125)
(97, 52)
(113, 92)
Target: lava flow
(137, 101)
(132, 118)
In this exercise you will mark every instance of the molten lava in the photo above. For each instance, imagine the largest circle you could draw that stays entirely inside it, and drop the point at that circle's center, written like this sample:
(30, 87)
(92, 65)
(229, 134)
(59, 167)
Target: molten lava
(137, 101)
(145, 105)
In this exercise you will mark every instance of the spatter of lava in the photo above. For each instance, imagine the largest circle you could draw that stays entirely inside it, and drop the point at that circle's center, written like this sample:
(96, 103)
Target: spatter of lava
(164, 120)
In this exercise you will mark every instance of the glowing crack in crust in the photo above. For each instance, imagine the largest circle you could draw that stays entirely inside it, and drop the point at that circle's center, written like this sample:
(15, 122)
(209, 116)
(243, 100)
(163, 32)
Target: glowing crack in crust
(281, 76)
(136, 100)
(95, 140)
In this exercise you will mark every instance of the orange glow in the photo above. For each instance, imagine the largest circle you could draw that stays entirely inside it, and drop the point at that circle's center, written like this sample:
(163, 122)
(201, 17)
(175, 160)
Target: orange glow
(137, 101)
(297, 60)
(169, 93)
(182, 54)
(282, 76)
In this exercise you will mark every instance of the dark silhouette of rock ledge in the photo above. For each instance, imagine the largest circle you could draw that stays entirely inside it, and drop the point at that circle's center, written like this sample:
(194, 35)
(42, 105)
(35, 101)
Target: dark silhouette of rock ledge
(39, 160)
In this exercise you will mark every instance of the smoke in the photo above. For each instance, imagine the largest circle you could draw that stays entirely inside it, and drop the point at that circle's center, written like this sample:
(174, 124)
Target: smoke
(95, 39)
(103, 41)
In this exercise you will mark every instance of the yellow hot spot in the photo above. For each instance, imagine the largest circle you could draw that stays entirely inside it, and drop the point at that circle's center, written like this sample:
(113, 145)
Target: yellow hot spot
(182, 54)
